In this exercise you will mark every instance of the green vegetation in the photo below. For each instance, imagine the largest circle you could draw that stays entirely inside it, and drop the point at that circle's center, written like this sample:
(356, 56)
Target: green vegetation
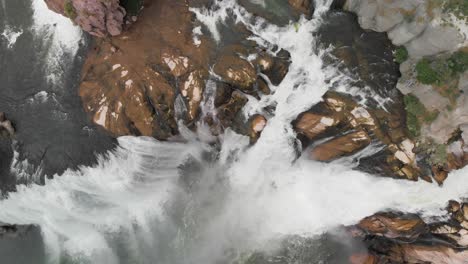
(443, 73)
(417, 114)
(458, 62)
(458, 7)
(132, 6)
(439, 155)
(69, 10)
(425, 73)
(401, 54)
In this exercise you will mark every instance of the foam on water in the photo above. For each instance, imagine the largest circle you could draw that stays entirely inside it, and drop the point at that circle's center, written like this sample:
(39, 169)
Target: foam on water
(60, 37)
(173, 203)
(11, 35)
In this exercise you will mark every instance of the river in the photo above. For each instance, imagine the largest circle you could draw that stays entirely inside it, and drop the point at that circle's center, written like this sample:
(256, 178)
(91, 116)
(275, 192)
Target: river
(148, 201)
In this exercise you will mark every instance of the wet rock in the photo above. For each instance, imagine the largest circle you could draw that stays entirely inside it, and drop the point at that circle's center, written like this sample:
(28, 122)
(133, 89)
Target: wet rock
(341, 146)
(280, 67)
(228, 112)
(6, 127)
(313, 125)
(257, 124)
(302, 6)
(439, 174)
(129, 86)
(393, 225)
(236, 71)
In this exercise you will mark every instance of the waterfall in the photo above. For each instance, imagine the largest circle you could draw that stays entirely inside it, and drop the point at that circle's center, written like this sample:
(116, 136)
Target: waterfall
(191, 202)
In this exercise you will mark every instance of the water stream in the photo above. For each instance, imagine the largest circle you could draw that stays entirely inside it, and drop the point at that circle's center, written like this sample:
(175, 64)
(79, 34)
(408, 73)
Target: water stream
(195, 202)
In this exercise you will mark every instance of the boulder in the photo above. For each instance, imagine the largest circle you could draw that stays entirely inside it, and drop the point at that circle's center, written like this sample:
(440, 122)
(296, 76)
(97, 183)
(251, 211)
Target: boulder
(236, 71)
(302, 6)
(393, 225)
(313, 125)
(341, 146)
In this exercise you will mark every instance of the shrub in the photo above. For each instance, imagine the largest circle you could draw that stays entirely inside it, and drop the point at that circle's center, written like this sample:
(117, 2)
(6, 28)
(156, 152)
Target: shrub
(425, 73)
(401, 54)
(413, 105)
(417, 114)
(458, 62)
(413, 125)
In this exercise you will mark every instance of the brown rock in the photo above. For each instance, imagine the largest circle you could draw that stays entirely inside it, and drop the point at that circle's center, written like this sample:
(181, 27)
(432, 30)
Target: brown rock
(236, 71)
(362, 259)
(341, 146)
(393, 225)
(257, 124)
(432, 254)
(313, 125)
(464, 210)
(129, 84)
(453, 206)
(303, 6)
(439, 174)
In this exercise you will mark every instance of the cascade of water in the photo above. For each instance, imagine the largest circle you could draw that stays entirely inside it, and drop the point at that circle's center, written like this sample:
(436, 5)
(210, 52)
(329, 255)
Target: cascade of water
(168, 202)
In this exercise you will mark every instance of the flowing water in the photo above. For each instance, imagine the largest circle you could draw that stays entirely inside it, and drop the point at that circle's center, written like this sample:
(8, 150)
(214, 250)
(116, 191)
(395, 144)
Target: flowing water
(194, 202)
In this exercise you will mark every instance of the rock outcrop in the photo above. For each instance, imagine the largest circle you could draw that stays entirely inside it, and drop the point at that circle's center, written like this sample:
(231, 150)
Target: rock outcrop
(145, 80)
(433, 54)
(100, 18)
(405, 238)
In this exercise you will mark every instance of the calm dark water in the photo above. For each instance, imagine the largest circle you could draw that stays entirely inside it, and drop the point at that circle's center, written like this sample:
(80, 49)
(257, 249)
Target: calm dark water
(53, 132)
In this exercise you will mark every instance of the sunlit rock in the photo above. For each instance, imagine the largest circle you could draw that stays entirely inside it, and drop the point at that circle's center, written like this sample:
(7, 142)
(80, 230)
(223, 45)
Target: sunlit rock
(341, 146)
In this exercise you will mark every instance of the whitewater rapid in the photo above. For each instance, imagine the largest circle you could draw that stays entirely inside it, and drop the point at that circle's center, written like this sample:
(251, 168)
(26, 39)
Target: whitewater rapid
(190, 202)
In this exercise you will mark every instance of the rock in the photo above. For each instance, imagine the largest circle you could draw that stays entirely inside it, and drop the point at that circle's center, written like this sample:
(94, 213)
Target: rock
(227, 113)
(453, 206)
(417, 25)
(444, 228)
(99, 18)
(313, 125)
(439, 174)
(257, 124)
(280, 67)
(302, 6)
(341, 146)
(362, 259)
(129, 86)
(236, 71)
(430, 254)
(394, 225)
(6, 127)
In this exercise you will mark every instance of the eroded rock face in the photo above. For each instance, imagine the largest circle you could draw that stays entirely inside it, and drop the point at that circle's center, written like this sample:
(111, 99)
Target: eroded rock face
(130, 85)
(98, 17)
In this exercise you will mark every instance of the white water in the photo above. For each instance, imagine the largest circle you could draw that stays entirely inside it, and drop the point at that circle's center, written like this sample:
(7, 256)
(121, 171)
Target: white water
(60, 39)
(132, 206)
